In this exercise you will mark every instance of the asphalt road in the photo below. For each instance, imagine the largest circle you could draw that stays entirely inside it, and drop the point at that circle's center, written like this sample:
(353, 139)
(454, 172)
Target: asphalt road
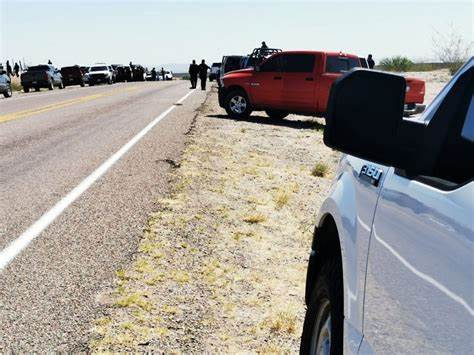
(49, 143)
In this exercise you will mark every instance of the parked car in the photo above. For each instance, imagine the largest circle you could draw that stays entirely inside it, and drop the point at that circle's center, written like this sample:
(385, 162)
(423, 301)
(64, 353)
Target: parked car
(230, 63)
(294, 82)
(73, 75)
(5, 84)
(41, 76)
(392, 258)
(100, 74)
(214, 74)
(168, 75)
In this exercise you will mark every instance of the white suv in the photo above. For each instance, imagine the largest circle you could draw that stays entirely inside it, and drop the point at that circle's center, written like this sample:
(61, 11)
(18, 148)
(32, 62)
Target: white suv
(100, 73)
(392, 261)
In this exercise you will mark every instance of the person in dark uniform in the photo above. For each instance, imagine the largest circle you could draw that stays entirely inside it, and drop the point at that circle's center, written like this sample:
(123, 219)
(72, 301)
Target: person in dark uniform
(370, 62)
(153, 74)
(203, 68)
(50, 62)
(264, 45)
(16, 68)
(193, 74)
(9, 69)
(163, 74)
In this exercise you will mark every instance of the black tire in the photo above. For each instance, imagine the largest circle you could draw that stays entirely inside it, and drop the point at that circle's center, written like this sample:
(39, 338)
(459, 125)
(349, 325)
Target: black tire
(26, 89)
(91, 84)
(82, 84)
(276, 114)
(237, 104)
(9, 92)
(326, 300)
(37, 88)
(51, 85)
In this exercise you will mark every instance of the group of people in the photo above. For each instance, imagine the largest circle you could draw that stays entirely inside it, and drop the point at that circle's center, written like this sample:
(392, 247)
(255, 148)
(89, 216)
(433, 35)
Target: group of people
(154, 74)
(200, 71)
(15, 71)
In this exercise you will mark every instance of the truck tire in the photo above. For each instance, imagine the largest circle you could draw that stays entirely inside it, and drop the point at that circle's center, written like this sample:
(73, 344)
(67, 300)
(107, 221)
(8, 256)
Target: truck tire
(91, 84)
(82, 84)
(323, 324)
(26, 89)
(276, 114)
(237, 104)
(51, 85)
(8, 92)
(37, 88)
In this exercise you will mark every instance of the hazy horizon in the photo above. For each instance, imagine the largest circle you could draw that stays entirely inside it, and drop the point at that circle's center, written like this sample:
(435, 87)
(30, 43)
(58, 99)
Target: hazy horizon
(165, 33)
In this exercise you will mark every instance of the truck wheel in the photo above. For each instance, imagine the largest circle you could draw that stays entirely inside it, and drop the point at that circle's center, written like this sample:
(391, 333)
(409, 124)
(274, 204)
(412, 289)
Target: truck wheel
(91, 84)
(322, 329)
(51, 85)
(37, 88)
(237, 104)
(276, 114)
(26, 89)
(82, 84)
(8, 93)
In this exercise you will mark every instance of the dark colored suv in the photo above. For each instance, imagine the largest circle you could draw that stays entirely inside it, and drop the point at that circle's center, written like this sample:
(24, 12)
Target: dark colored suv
(73, 75)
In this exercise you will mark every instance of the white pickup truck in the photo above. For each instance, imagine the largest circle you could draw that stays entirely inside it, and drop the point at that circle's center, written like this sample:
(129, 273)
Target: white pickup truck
(391, 269)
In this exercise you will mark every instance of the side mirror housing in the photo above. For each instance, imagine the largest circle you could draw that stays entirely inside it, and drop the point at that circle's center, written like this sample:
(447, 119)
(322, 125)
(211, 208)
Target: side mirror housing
(365, 119)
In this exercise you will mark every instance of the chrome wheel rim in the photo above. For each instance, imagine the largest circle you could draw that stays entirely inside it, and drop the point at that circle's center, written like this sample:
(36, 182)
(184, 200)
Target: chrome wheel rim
(238, 104)
(321, 337)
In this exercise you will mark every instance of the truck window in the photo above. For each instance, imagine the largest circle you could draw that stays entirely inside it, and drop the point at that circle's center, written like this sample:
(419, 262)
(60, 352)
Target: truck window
(39, 68)
(273, 64)
(468, 127)
(298, 63)
(337, 64)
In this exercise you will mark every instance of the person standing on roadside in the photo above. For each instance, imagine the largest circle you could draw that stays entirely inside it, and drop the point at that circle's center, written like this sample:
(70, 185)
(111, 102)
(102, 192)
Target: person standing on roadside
(50, 62)
(153, 74)
(193, 74)
(370, 62)
(203, 68)
(9, 69)
(163, 74)
(16, 68)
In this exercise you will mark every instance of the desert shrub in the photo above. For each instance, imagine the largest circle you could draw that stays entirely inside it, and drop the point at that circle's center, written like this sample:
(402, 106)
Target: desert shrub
(451, 48)
(396, 63)
(185, 77)
(320, 170)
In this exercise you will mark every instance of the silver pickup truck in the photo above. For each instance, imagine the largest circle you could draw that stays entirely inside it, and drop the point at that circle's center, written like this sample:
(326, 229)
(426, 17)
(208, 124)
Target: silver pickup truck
(391, 269)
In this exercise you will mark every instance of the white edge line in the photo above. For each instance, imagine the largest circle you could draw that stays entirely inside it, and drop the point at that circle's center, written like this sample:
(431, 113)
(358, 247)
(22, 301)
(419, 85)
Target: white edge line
(425, 277)
(17, 245)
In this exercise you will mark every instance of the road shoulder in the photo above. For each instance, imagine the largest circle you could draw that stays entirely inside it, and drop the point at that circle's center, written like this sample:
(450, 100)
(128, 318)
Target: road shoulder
(222, 261)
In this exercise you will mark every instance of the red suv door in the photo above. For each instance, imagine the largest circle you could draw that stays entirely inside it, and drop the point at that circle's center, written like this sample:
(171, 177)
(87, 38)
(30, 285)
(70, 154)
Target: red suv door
(299, 81)
(266, 84)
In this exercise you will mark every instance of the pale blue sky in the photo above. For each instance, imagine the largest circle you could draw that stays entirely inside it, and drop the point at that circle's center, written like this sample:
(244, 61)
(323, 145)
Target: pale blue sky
(155, 32)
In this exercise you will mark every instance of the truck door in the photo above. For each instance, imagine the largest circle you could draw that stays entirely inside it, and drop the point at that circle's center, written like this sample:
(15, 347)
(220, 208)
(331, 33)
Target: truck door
(299, 82)
(420, 276)
(266, 85)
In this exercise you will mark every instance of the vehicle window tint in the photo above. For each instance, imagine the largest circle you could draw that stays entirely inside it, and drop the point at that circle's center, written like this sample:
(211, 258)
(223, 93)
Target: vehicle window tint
(38, 67)
(335, 64)
(298, 63)
(232, 63)
(98, 68)
(468, 127)
(272, 65)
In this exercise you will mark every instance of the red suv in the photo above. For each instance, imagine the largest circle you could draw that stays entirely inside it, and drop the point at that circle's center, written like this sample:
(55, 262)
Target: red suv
(295, 82)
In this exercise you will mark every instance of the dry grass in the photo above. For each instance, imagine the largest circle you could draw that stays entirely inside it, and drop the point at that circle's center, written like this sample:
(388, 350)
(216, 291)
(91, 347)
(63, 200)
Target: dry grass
(320, 170)
(225, 254)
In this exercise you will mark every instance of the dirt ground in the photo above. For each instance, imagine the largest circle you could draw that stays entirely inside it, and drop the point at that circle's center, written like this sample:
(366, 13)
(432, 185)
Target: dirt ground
(222, 264)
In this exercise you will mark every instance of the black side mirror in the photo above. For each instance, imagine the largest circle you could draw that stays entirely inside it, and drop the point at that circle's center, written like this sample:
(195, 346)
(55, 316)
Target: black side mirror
(365, 118)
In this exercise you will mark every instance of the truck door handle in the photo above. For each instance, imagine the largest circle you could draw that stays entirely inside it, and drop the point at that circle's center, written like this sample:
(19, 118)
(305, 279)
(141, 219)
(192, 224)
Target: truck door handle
(309, 79)
(277, 77)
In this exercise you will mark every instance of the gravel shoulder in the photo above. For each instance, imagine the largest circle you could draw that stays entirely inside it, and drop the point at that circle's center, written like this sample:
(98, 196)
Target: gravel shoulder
(222, 262)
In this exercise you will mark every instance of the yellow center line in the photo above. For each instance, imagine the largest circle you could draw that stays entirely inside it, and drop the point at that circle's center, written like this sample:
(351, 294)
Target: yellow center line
(61, 104)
